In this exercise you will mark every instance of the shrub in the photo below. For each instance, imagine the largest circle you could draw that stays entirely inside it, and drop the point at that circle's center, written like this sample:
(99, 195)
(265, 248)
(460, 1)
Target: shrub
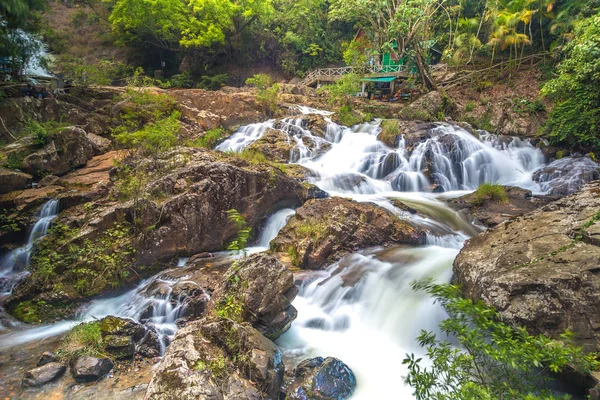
(490, 192)
(153, 138)
(209, 140)
(243, 232)
(41, 131)
(390, 128)
(341, 91)
(267, 93)
(348, 117)
(494, 360)
(83, 339)
(470, 106)
(214, 82)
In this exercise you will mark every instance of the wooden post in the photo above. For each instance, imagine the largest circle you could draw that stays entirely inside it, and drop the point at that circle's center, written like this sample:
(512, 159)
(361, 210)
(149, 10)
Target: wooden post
(364, 86)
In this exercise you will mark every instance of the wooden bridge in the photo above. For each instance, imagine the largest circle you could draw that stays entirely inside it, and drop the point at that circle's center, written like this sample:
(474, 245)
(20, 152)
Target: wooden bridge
(333, 74)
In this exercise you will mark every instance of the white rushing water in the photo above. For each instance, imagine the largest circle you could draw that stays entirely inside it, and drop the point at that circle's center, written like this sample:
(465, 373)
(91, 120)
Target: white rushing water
(13, 265)
(362, 308)
(151, 302)
(367, 315)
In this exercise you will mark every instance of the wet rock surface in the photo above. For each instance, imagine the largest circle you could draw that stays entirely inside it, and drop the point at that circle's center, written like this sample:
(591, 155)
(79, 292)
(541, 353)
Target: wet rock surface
(220, 359)
(321, 379)
(322, 231)
(567, 175)
(88, 369)
(540, 270)
(43, 374)
(491, 213)
(265, 288)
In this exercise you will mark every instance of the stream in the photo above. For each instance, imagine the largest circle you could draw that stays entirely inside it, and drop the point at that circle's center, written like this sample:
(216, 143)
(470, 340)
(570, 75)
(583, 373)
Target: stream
(371, 322)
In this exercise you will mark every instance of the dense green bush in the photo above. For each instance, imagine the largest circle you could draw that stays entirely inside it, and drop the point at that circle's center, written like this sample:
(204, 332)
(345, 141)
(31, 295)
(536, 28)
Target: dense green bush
(575, 120)
(493, 360)
(267, 93)
(490, 192)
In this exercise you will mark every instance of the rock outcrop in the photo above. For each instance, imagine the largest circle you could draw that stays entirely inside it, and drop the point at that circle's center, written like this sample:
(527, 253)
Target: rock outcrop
(13, 180)
(265, 289)
(541, 270)
(218, 359)
(322, 231)
(43, 374)
(492, 212)
(567, 175)
(321, 379)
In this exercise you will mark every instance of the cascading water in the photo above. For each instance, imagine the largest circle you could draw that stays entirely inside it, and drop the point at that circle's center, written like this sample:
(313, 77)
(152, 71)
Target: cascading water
(368, 315)
(362, 308)
(13, 264)
(154, 302)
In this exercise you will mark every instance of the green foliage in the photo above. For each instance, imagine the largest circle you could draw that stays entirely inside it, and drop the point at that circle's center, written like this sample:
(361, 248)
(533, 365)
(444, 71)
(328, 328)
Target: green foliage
(214, 82)
(575, 121)
(470, 106)
(243, 232)
(312, 229)
(7, 222)
(267, 93)
(209, 140)
(525, 106)
(390, 129)
(494, 360)
(84, 74)
(41, 131)
(343, 89)
(85, 266)
(84, 339)
(153, 138)
(490, 192)
(348, 117)
(250, 155)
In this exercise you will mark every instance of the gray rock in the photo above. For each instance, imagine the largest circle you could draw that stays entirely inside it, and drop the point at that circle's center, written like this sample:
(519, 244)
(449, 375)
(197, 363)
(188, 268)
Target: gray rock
(567, 175)
(86, 368)
(13, 180)
(322, 379)
(266, 289)
(99, 144)
(541, 270)
(65, 150)
(218, 359)
(46, 358)
(46, 373)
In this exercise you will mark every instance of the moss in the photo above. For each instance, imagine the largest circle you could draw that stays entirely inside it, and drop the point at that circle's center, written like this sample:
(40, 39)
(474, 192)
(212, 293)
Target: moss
(489, 192)
(83, 339)
(390, 129)
(37, 311)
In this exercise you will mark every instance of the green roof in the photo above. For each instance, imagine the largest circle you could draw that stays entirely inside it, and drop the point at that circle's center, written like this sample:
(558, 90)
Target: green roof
(379, 79)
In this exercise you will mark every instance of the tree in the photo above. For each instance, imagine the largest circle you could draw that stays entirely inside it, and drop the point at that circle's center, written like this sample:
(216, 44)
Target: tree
(575, 120)
(401, 22)
(493, 360)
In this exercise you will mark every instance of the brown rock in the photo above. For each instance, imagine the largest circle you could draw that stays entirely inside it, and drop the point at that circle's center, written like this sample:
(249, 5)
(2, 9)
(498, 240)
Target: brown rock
(13, 180)
(322, 231)
(540, 270)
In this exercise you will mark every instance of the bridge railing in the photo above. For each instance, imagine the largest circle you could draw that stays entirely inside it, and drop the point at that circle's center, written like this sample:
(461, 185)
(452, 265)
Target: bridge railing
(374, 69)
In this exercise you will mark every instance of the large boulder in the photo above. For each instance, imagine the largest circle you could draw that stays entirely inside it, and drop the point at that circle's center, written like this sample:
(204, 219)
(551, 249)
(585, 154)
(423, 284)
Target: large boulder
(218, 359)
(64, 151)
(321, 379)
(322, 231)
(541, 270)
(43, 374)
(193, 218)
(264, 289)
(567, 175)
(123, 337)
(13, 180)
(489, 212)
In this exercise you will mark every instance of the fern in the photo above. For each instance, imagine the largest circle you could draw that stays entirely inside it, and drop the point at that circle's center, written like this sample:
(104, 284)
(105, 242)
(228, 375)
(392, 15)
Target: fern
(238, 244)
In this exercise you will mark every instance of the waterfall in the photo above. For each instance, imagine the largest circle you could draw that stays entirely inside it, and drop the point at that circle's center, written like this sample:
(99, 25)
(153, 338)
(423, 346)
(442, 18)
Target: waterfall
(154, 302)
(13, 265)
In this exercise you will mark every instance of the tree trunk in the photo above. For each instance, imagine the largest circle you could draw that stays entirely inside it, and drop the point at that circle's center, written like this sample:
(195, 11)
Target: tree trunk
(423, 69)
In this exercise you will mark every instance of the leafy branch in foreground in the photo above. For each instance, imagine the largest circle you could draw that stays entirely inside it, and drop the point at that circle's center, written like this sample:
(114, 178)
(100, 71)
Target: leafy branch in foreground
(494, 360)
(243, 232)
